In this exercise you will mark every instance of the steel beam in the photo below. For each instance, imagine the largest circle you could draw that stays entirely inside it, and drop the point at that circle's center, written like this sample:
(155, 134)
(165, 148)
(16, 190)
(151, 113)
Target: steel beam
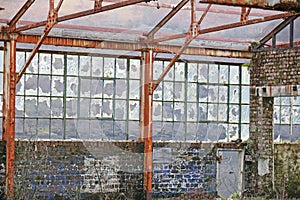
(283, 5)
(82, 14)
(146, 101)
(83, 43)
(166, 18)
(20, 13)
(8, 126)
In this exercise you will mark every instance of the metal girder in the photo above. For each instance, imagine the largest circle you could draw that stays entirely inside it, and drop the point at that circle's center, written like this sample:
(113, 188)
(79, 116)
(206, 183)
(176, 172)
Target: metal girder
(51, 21)
(146, 101)
(82, 14)
(276, 30)
(228, 26)
(20, 13)
(8, 125)
(83, 43)
(166, 18)
(283, 5)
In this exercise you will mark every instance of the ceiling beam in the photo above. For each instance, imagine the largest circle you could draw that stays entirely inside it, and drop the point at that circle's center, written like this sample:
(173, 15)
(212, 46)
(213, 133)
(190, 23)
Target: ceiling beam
(84, 43)
(282, 5)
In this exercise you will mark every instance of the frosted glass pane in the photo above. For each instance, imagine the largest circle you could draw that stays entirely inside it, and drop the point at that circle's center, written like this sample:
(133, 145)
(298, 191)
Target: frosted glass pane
(43, 128)
(20, 60)
(203, 73)
(157, 69)
(72, 65)
(56, 129)
(33, 66)
(83, 129)
(44, 85)
(30, 127)
(213, 93)
(109, 67)
(296, 115)
(192, 112)
(58, 86)
(202, 131)
(45, 64)
(20, 86)
(179, 71)
(285, 115)
(202, 112)
(192, 92)
(85, 66)
(108, 88)
(157, 95)
(285, 100)
(96, 88)
(96, 107)
(234, 74)
(234, 94)
(244, 132)
(213, 73)
(30, 84)
(245, 76)
(134, 89)
(97, 66)
(245, 114)
(72, 86)
(246, 94)
(157, 110)
(134, 110)
(276, 114)
(85, 87)
(19, 106)
(57, 107)
(223, 76)
(234, 113)
(233, 132)
(57, 64)
(192, 72)
(120, 109)
(179, 90)
(296, 100)
(170, 75)
(168, 91)
(134, 69)
(121, 68)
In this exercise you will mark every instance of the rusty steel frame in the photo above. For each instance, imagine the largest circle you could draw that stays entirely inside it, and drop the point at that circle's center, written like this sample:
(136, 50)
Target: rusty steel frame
(146, 101)
(8, 126)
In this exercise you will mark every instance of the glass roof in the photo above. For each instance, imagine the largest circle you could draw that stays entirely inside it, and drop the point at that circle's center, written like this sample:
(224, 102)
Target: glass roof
(130, 23)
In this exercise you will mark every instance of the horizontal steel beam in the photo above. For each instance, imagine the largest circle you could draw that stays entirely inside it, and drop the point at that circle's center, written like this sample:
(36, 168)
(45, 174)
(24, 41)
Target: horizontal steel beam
(281, 5)
(83, 43)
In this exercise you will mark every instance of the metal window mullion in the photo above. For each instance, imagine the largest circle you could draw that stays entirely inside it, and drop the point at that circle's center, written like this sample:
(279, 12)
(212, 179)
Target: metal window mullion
(185, 99)
(64, 94)
(228, 102)
(114, 96)
(127, 98)
(240, 103)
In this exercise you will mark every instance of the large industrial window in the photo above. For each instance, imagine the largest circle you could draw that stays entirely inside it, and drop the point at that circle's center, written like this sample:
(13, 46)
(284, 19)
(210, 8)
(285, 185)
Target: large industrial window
(287, 119)
(65, 96)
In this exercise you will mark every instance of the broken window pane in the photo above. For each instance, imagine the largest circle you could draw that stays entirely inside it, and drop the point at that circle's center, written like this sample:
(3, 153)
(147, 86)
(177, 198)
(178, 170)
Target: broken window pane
(233, 131)
(33, 66)
(213, 93)
(120, 110)
(157, 69)
(234, 113)
(213, 73)
(19, 106)
(20, 60)
(19, 127)
(109, 67)
(179, 90)
(20, 86)
(157, 95)
(134, 69)
(107, 108)
(43, 128)
(108, 129)
(202, 73)
(84, 107)
(202, 112)
(71, 107)
(30, 127)
(167, 131)
(71, 129)
(234, 94)
(179, 132)
(296, 115)
(85, 66)
(121, 68)
(223, 94)
(57, 107)
(285, 115)
(179, 111)
(72, 86)
(192, 72)
(45, 63)
(57, 85)
(191, 133)
(203, 93)
(134, 89)
(133, 130)
(97, 66)
(108, 88)
(223, 76)
(57, 64)
(134, 110)
(31, 107)
(83, 129)
(202, 131)
(222, 116)
(96, 108)
(96, 88)
(170, 75)
(192, 112)
(234, 74)
(168, 111)
(85, 87)
(213, 112)
(168, 91)
(96, 129)
(285, 100)
(56, 129)
(244, 132)
(121, 89)
(119, 130)
(192, 92)
(157, 110)
(44, 85)
(30, 84)
(72, 65)
(179, 71)
(44, 107)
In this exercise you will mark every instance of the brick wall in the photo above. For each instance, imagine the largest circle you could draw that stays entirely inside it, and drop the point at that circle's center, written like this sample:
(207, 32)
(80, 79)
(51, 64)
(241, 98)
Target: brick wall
(272, 69)
(85, 170)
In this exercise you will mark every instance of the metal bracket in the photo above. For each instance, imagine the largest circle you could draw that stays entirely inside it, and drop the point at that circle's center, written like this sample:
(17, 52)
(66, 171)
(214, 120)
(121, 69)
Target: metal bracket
(98, 5)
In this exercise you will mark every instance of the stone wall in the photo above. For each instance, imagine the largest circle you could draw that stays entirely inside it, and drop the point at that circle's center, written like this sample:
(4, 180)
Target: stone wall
(270, 70)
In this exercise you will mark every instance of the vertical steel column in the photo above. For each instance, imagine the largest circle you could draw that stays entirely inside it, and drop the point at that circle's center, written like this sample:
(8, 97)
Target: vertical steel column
(146, 98)
(9, 95)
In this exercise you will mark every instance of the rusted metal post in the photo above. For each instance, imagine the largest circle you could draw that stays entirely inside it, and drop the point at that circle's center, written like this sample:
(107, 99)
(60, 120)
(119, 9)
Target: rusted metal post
(146, 100)
(9, 95)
